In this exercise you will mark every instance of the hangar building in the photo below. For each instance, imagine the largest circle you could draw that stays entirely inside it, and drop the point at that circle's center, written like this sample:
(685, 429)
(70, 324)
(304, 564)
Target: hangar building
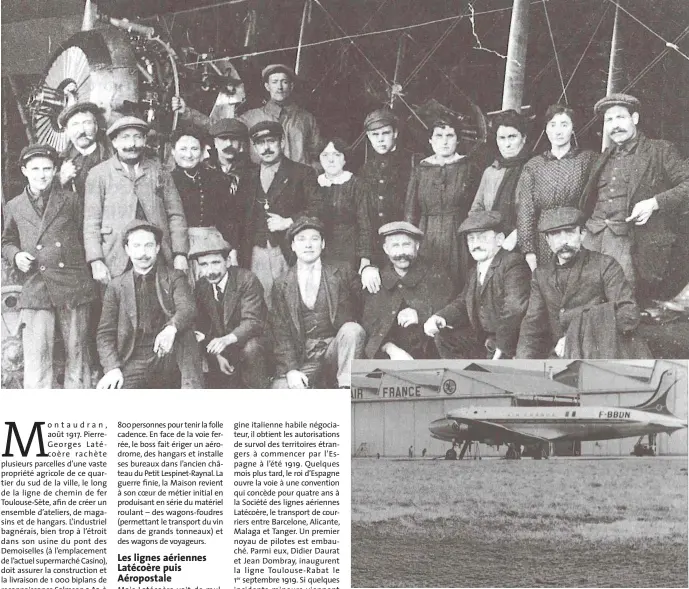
(391, 409)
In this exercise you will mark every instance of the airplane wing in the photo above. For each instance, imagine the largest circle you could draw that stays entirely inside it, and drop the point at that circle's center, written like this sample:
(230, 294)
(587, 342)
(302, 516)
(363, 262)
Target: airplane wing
(494, 433)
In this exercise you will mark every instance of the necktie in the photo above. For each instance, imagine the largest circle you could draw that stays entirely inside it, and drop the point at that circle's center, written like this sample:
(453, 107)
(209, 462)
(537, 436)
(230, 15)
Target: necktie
(217, 291)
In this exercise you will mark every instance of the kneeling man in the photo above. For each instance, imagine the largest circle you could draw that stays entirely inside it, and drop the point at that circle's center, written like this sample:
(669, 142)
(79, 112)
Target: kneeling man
(232, 315)
(313, 315)
(411, 289)
(145, 337)
(487, 314)
(581, 305)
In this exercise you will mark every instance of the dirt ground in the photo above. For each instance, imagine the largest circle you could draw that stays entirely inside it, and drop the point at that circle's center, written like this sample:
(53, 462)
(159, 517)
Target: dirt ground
(496, 523)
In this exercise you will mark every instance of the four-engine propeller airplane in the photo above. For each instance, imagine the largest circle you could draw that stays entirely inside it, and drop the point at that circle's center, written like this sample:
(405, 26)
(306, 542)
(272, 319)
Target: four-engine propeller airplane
(539, 426)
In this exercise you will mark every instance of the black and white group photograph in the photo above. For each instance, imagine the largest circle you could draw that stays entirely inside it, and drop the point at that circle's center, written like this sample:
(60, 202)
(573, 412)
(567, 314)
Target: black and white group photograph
(198, 194)
(519, 473)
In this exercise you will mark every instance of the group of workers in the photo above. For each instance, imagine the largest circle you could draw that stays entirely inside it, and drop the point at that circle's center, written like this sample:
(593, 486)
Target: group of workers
(256, 259)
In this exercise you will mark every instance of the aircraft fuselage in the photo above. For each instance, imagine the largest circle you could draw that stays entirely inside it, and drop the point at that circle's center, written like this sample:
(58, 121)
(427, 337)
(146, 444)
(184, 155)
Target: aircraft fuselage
(551, 423)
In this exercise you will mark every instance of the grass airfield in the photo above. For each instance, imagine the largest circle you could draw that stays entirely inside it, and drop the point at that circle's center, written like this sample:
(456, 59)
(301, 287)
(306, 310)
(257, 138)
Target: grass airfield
(563, 522)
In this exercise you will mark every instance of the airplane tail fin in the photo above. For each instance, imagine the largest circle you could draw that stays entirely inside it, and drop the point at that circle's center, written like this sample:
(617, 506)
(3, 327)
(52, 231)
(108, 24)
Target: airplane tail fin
(658, 401)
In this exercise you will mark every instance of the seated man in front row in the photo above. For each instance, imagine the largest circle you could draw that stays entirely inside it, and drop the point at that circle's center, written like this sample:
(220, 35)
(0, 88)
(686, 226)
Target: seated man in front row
(313, 315)
(485, 319)
(581, 305)
(411, 289)
(232, 315)
(145, 337)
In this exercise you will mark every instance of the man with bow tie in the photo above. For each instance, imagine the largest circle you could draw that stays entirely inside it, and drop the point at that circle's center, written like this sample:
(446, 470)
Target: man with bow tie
(231, 320)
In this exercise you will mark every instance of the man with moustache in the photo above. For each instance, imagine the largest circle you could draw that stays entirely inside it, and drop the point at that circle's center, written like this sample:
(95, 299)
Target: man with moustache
(273, 195)
(638, 199)
(42, 238)
(232, 316)
(312, 318)
(231, 142)
(87, 147)
(145, 336)
(301, 133)
(581, 305)
(387, 169)
(485, 319)
(126, 187)
(411, 289)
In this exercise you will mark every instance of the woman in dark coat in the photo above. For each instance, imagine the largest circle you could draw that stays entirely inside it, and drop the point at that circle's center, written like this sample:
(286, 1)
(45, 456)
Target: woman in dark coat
(205, 193)
(343, 208)
(439, 196)
(553, 179)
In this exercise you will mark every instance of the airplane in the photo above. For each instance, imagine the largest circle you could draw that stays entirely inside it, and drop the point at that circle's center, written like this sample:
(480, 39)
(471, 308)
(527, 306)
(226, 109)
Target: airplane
(539, 426)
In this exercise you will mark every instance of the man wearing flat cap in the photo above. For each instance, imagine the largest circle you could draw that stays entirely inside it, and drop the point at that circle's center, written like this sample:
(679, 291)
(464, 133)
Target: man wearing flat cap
(272, 195)
(484, 320)
(231, 142)
(145, 335)
(43, 239)
(126, 187)
(301, 133)
(637, 199)
(316, 336)
(411, 290)
(88, 145)
(387, 169)
(231, 318)
(581, 305)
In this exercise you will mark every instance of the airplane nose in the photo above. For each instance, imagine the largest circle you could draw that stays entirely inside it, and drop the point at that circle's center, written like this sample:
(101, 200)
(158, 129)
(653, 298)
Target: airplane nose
(443, 429)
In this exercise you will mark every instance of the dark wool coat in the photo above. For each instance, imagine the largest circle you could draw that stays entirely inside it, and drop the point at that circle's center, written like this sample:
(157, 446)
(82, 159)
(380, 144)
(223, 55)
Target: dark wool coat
(291, 194)
(286, 320)
(659, 171)
(59, 276)
(594, 279)
(425, 288)
(85, 163)
(387, 176)
(118, 322)
(243, 307)
(503, 296)
(216, 208)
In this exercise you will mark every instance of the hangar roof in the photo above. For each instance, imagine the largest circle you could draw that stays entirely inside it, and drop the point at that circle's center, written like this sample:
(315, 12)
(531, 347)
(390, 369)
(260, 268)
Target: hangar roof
(501, 368)
(513, 382)
(640, 373)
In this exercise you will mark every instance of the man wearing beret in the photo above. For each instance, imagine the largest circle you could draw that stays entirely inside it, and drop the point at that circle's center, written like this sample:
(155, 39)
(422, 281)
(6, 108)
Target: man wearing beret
(387, 169)
(232, 316)
(145, 336)
(411, 290)
(43, 239)
(637, 199)
(301, 133)
(581, 305)
(126, 187)
(272, 195)
(485, 319)
(316, 336)
(88, 145)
